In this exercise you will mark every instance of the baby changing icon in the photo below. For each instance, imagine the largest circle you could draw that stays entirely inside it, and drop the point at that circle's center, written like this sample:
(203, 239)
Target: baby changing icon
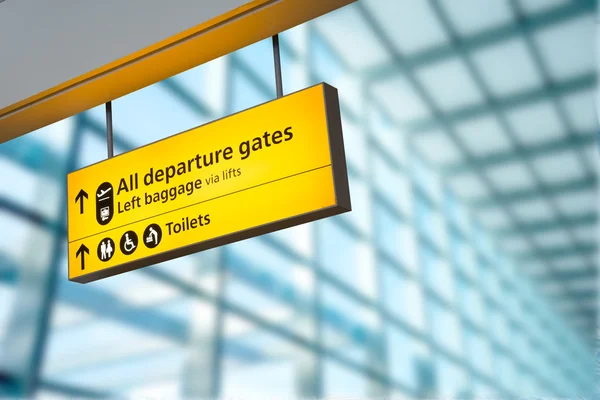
(152, 236)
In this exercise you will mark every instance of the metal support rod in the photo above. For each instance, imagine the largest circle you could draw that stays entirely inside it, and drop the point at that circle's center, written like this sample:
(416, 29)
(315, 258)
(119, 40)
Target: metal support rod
(277, 58)
(109, 130)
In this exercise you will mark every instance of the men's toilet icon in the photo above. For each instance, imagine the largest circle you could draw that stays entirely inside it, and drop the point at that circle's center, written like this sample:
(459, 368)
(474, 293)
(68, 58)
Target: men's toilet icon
(129, 242)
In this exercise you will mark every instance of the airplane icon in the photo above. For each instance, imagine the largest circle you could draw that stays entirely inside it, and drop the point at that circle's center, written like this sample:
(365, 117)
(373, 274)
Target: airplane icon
(103, 192)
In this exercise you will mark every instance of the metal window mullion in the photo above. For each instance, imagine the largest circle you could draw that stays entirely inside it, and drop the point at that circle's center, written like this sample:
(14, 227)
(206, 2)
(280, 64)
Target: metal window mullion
(400, 61)
(541, 187)
(28, 384)
(378, 355)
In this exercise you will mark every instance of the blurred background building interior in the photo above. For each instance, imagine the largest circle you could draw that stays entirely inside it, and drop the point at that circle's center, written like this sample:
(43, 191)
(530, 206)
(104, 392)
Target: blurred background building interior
(468, 265)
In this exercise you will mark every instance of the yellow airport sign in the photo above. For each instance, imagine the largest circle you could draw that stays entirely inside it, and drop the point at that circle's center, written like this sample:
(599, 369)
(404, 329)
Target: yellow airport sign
(270, 167)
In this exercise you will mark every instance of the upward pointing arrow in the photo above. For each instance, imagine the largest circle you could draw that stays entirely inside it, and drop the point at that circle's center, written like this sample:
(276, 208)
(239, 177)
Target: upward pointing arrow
(82, 249)
(82, 193)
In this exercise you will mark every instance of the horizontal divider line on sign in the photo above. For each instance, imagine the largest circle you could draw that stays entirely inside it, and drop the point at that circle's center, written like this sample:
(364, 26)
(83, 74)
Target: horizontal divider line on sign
(202, 201)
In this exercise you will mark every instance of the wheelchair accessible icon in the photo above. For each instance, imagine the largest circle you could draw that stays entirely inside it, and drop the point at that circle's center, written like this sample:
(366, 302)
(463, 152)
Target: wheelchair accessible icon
(129, 242)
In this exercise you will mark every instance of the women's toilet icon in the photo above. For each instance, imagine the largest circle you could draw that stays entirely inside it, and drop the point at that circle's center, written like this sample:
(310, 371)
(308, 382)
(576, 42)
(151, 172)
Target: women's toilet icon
(128, 243)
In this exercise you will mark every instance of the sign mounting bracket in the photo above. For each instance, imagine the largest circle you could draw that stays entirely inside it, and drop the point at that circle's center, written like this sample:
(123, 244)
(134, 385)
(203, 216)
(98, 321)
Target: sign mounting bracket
(278, 85)
(277, 59)
(109, 130)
